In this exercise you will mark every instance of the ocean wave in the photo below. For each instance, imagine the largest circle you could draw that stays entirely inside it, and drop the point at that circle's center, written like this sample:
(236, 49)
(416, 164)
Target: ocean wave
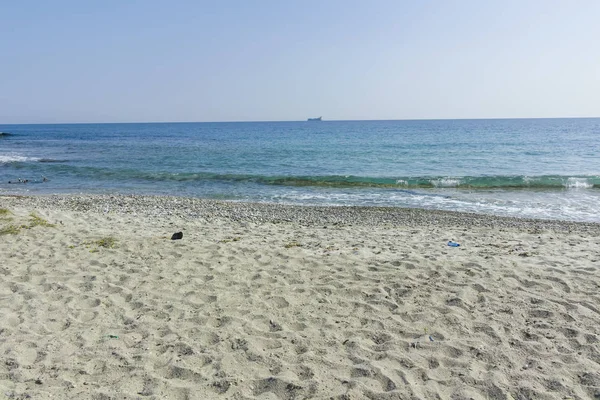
(579, 183)
(13, 158)
(10, 158)
(509, 182)
(446, 182)
(463, 182)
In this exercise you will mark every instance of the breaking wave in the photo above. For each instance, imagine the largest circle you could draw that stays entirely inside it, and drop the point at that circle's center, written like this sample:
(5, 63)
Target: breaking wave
(513, 182)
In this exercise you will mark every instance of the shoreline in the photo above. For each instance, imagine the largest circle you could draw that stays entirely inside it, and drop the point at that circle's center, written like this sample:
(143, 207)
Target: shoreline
(310, 215)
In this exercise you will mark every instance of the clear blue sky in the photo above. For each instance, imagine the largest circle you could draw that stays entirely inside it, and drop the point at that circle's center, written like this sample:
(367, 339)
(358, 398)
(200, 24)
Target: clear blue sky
(113, 61)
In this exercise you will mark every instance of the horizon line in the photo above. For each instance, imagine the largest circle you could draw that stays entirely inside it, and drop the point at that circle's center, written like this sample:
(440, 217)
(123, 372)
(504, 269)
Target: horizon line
(290, 120)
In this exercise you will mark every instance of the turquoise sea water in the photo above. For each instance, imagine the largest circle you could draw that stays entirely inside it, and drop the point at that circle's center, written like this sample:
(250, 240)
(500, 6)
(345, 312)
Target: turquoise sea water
(542, 168)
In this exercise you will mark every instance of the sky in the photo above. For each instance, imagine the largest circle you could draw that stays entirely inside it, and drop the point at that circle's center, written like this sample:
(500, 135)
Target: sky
(262, 60)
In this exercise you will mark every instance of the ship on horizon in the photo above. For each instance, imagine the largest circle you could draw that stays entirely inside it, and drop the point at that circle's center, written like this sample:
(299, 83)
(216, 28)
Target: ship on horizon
(316, 119)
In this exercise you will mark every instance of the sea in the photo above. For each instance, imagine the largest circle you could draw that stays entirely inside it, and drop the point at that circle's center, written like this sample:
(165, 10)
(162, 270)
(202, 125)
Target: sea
(529, 168)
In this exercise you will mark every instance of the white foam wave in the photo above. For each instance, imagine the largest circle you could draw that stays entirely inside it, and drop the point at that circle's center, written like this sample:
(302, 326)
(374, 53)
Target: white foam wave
(578, 183)
(445, 182)
(562, 205)
(9, 158)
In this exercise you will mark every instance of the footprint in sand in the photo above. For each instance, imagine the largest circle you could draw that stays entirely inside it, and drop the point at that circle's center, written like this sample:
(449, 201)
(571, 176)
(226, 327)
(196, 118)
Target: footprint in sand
(25, 353)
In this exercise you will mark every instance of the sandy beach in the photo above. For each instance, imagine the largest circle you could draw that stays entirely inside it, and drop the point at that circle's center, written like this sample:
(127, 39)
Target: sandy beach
(288, 302)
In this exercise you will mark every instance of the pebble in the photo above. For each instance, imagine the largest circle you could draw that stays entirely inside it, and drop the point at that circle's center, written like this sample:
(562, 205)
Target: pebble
(317, 216)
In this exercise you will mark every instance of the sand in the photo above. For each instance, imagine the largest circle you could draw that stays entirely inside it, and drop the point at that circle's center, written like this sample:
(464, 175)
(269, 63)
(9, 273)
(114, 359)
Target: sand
(266, 302)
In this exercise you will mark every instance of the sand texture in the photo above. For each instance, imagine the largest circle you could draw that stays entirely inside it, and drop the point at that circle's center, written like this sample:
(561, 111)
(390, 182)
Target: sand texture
(265, 302)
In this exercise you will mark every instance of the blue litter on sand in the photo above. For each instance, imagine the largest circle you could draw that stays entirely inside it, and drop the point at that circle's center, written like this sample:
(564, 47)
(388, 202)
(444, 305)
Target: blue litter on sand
(430, 339)
(453, 244)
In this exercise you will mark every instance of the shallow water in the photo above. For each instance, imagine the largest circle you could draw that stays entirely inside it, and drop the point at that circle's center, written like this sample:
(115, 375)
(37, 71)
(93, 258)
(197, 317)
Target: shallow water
(542, 168)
